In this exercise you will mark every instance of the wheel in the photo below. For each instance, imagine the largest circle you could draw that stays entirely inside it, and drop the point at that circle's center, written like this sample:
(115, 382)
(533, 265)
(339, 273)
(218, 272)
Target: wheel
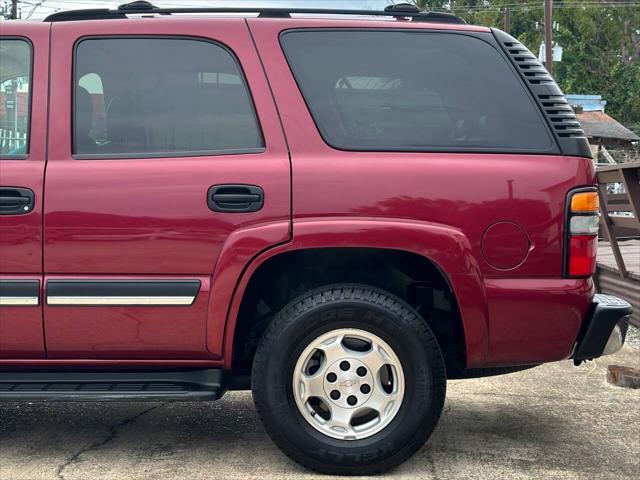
(348, 379)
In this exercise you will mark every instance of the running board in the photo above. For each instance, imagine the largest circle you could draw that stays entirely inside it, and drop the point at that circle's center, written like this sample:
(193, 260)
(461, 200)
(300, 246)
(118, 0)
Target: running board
(124, 385)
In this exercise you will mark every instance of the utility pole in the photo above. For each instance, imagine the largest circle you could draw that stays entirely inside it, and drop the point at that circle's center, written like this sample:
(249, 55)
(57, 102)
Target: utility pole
(548, 25)
(13, 10)
(506, 12)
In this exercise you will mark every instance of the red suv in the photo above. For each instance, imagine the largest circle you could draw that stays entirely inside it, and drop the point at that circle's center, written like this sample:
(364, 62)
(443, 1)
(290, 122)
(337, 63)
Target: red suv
(337, 209)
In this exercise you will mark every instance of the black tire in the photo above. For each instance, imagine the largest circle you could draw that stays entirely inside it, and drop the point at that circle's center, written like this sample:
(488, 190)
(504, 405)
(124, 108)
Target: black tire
(382, 314)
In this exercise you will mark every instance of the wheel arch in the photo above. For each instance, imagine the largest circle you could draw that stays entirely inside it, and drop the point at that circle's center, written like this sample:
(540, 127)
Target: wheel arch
(445, 248)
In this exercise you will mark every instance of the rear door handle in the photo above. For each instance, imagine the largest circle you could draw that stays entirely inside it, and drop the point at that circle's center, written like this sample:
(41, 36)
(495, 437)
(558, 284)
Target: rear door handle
(16, 201)
(235, 198)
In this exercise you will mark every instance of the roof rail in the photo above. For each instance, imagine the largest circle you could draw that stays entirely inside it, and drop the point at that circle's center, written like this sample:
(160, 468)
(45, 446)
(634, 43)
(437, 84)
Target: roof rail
(142, 7)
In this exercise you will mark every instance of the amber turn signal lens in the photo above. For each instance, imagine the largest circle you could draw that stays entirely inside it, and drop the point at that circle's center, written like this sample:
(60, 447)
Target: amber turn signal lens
(584, 202)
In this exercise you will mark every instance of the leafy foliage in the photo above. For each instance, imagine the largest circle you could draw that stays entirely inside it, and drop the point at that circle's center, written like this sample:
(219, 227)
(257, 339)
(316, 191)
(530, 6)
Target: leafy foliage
(601, 41)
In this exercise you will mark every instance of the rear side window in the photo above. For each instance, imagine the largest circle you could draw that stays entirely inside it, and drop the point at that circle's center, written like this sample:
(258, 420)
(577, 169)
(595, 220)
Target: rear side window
(15, 97)
(413, 91)
(139, 97)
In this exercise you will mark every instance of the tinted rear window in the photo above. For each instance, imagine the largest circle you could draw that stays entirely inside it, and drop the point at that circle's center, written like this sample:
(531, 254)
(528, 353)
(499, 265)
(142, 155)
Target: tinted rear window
(413, 91)
(161, 97)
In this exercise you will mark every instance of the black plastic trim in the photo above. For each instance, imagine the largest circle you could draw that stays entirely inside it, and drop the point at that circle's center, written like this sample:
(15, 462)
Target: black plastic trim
(19, 288)
(552, 103)
(113, 385)
(25, 198)
(89, 14)
(106, 14)
(117, 288)
(235, 198)
(606, 312)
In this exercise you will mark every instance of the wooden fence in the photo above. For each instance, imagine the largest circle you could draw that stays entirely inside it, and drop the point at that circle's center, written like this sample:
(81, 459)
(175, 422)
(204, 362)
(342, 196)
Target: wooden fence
(11, 140)
(620, 224)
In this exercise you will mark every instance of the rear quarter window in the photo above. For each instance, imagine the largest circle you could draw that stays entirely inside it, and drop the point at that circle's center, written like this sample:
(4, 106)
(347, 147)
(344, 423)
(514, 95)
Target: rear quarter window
(413, 91)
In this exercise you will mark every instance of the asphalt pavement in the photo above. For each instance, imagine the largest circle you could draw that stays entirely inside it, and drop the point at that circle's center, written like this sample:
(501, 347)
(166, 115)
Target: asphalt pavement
(554, 421)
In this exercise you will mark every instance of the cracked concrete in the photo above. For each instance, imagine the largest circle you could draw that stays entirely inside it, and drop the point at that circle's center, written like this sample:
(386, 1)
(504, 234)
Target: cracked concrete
(112, 434)
(554, 421)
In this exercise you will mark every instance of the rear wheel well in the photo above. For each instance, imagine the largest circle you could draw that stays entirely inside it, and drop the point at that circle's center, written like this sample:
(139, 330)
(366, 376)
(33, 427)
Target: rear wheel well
(413, 278)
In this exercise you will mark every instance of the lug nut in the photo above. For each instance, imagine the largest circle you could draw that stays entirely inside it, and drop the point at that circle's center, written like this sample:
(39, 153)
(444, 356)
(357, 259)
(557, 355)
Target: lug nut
(351, 400)
(361, 371)
(335, 395)
(331, 377)
(364, 388)
(344, 365)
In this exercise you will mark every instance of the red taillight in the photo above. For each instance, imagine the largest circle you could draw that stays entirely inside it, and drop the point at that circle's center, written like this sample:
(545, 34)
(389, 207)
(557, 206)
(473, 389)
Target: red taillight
(582, 255)
(581, 232)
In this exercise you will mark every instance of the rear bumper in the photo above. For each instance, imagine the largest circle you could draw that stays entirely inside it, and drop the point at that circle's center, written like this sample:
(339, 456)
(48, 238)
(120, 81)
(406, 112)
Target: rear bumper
(605, 328)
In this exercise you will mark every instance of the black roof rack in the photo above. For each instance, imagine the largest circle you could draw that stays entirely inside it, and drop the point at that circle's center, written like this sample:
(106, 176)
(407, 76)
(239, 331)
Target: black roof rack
(402, 10)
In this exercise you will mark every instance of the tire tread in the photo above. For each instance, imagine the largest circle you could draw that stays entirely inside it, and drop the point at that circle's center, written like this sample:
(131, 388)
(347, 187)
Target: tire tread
(329, 294)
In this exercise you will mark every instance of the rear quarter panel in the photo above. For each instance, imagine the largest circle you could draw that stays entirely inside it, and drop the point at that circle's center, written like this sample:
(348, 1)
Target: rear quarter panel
(533, 314)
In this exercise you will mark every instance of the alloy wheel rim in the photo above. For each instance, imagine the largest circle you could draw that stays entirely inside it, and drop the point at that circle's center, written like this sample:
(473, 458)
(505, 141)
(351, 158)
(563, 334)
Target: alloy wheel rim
(348, 384)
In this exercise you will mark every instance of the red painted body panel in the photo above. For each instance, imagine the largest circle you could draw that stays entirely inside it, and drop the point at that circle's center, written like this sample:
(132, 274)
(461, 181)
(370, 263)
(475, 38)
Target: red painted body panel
(239, 249)
(150, 215)
(446, 246)
(535, 320)
(140, 217)
(463, 192)
(21, 333)
(140, 332)
(435, 205)
(492, 309)
(21, 237)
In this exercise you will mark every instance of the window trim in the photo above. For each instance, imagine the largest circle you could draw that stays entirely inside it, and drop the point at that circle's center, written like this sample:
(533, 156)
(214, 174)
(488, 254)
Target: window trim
(27, 40)
(553, 149)
(133, 156)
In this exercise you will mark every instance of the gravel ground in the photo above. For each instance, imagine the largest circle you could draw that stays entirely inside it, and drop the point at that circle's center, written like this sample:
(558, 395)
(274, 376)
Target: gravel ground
(553, 422)
(633, 337)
